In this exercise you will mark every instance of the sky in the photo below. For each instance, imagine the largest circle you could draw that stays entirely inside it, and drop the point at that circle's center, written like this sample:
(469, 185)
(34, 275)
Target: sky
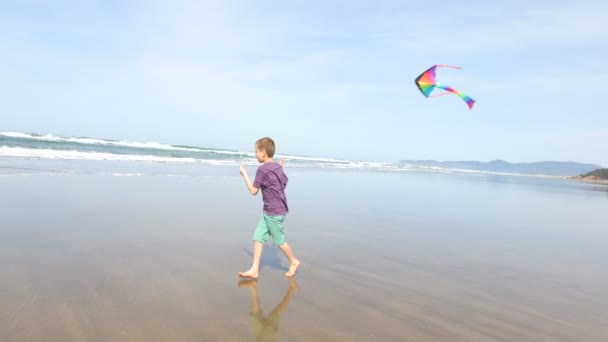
(323, 78)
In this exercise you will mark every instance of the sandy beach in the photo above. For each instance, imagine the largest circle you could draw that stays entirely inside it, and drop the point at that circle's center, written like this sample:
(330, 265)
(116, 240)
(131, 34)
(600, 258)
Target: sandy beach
(386, 257)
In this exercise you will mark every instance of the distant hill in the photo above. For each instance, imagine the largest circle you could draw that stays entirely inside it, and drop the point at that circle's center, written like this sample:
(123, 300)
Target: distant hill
(551, 168)
(599, 174)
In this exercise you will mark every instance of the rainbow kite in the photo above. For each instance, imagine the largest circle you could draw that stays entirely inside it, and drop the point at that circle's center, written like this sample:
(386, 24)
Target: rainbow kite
(426, 83)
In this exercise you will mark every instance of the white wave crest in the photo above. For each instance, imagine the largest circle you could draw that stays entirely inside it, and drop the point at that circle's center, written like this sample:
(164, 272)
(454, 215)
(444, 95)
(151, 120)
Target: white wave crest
(15, 134)
(122, 143)
(312, 159)
(80, 155)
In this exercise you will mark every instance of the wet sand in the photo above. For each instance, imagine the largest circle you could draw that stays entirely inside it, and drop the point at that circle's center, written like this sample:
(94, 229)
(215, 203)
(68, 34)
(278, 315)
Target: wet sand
(385, 257)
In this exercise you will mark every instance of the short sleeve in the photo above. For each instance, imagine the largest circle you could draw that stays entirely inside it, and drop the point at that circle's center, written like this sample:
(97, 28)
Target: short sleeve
(259, 176)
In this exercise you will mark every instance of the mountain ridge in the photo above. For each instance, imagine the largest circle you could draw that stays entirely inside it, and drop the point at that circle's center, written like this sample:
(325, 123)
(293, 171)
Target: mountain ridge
(550, 168)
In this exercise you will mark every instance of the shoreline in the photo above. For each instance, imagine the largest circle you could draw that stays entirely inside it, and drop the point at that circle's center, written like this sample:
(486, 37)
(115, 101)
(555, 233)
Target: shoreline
(35, 166)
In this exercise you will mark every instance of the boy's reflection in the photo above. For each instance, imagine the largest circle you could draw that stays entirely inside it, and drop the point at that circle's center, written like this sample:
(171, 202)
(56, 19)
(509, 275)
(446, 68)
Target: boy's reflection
(266, 327)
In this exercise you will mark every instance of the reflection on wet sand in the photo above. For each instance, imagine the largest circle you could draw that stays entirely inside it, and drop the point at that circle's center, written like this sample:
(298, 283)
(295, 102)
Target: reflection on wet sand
(265, 328)
(86, 258)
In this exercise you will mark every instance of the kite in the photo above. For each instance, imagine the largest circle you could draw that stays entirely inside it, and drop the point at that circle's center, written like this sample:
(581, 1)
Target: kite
(426, 83)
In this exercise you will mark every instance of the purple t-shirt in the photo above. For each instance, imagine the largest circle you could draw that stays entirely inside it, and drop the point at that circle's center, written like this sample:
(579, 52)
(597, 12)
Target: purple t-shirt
(271, 179)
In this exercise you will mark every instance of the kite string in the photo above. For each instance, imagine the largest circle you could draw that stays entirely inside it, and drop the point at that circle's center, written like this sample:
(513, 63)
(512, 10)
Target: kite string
(446, 93)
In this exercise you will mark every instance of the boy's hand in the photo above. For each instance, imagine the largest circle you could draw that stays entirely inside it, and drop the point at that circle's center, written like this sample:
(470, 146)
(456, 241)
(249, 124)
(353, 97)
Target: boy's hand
(252, 190)
(282, 162)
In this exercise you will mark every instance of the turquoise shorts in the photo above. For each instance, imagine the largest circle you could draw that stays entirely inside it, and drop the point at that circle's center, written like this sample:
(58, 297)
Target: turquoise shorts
(272, 226)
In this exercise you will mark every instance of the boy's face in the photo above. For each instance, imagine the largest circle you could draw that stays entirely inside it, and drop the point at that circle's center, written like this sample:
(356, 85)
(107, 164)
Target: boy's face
(259, 154)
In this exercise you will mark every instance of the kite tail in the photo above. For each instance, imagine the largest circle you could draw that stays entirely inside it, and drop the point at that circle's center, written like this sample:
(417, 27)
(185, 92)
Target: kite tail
(470, 102)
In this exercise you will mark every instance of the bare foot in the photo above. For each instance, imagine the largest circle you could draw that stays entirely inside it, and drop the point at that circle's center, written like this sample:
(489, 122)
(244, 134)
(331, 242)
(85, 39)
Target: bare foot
(293, 268)
(252, 274)
(250, 283)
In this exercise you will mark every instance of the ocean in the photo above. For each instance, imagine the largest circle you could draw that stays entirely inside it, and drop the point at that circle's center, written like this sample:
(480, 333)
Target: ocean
(51, 152)
(33, 153)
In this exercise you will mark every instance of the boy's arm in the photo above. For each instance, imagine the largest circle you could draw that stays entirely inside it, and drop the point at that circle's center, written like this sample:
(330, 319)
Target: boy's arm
(252, 190)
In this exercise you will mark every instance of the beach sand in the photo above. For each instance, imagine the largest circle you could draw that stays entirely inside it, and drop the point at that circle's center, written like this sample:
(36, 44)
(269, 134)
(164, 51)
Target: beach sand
(385, 257)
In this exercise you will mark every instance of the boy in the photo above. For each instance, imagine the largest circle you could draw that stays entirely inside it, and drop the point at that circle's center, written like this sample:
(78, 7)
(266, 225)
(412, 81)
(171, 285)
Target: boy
(272, 180)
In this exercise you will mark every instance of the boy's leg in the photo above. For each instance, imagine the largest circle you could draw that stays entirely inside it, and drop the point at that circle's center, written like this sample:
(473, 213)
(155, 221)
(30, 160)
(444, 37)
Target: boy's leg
(259, 236)
(276, 229)
(253, 272)
(293, 261)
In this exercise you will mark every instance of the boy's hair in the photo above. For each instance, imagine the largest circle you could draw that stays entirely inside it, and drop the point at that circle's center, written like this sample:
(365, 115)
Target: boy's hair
(266, 145)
